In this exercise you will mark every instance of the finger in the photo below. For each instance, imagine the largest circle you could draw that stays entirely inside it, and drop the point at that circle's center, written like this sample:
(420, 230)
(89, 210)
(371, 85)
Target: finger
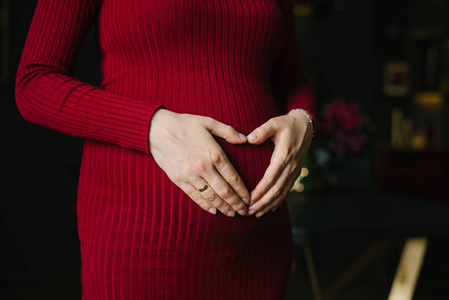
(230, 175)
(261, 133)
(278, 190)
(279, 161)
(279, 200)
(286, 186)
(289, 186)
(193, 193)
(227, 132)
(206, 191)
(225, 193)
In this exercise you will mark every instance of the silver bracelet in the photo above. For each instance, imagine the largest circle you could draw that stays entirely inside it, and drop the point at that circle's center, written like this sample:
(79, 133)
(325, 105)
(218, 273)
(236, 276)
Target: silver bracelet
(308, 117)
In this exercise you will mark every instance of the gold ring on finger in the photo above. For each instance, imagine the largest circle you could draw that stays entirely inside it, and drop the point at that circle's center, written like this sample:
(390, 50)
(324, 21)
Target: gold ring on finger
(204, 188)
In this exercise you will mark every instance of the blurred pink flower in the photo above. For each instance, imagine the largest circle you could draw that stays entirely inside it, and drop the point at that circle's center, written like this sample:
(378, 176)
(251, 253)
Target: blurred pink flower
(339, 115)
(342, 123)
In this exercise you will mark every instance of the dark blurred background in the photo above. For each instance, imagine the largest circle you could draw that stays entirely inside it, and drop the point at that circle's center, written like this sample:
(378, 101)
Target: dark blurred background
(375, 178)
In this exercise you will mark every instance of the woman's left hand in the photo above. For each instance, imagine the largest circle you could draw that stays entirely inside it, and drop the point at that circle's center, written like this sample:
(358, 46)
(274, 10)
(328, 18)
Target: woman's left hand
(292, 136)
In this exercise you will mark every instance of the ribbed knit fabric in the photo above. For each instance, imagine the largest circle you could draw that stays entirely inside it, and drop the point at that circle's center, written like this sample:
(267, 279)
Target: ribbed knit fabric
(141, 236)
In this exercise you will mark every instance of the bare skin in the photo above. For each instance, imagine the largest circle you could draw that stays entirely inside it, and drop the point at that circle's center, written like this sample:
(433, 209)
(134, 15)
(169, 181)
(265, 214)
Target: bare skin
(190, 165)
(292, 136)
(184, 147)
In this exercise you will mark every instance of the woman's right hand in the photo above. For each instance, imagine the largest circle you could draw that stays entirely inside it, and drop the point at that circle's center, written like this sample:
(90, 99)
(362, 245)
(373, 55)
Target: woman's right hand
(183, 146)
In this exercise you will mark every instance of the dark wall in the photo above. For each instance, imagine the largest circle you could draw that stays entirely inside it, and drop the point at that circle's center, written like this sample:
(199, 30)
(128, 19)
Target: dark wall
(336, 46)
(38, 215)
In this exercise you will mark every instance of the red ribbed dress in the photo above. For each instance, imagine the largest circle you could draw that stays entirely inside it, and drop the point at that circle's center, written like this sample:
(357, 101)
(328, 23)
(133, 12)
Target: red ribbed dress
(233, 60)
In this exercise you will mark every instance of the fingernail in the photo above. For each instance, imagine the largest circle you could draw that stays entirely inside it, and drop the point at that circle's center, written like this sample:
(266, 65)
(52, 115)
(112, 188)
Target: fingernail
(252, 137)
(212, 210)
(252, 211)
(230, 213)
(245, 200)
(242, 136)
(242, 212)
(260, 214)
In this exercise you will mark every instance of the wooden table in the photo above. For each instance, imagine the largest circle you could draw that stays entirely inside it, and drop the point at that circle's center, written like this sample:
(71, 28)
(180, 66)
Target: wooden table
(379, 216)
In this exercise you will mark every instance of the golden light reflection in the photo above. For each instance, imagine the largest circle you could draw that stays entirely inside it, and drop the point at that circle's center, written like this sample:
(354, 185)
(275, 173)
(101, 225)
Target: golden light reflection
(303, 9)
(298, 187)
(304, 172)
(429, 99)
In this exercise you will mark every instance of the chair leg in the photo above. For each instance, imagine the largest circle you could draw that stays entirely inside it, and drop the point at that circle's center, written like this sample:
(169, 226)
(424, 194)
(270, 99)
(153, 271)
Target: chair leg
(312, 272)
(409, 267)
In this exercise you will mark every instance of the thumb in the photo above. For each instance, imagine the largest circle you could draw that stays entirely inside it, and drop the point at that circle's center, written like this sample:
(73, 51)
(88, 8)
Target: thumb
(261, 133)
(227, 132)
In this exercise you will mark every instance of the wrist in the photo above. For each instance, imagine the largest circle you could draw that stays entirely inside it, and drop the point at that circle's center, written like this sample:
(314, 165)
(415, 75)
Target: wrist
(305, 116)
(158, 119)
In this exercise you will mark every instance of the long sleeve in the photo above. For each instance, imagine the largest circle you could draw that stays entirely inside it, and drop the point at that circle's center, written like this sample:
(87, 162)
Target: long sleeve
(291, 87)
(48, 95)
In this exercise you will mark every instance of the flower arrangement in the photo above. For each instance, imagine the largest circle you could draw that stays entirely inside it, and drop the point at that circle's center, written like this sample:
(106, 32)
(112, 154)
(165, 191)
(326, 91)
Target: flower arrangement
(342, 127)
(337, 156)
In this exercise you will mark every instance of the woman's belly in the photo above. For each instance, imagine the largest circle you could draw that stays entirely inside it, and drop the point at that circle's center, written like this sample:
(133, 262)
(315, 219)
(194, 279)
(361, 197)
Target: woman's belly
(127, 202)
(118, 185)
(245, 110)
(125, 191)
(130, 210)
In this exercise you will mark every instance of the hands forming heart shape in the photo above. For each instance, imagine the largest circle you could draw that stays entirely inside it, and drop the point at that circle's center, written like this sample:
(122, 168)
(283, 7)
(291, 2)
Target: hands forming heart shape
(184, 147)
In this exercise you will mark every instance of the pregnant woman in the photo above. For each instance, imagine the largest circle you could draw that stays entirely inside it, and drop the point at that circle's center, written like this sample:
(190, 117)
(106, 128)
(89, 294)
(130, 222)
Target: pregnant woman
(193, 139)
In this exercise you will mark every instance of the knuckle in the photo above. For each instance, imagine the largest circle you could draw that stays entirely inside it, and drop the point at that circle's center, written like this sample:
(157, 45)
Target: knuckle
(195, 196)
(176, 178)
(214, 155)
(233, 179)
(230, 130)
(187, 173)
(263, 130)
(224, 193)
(201, 165)
(209, 197)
